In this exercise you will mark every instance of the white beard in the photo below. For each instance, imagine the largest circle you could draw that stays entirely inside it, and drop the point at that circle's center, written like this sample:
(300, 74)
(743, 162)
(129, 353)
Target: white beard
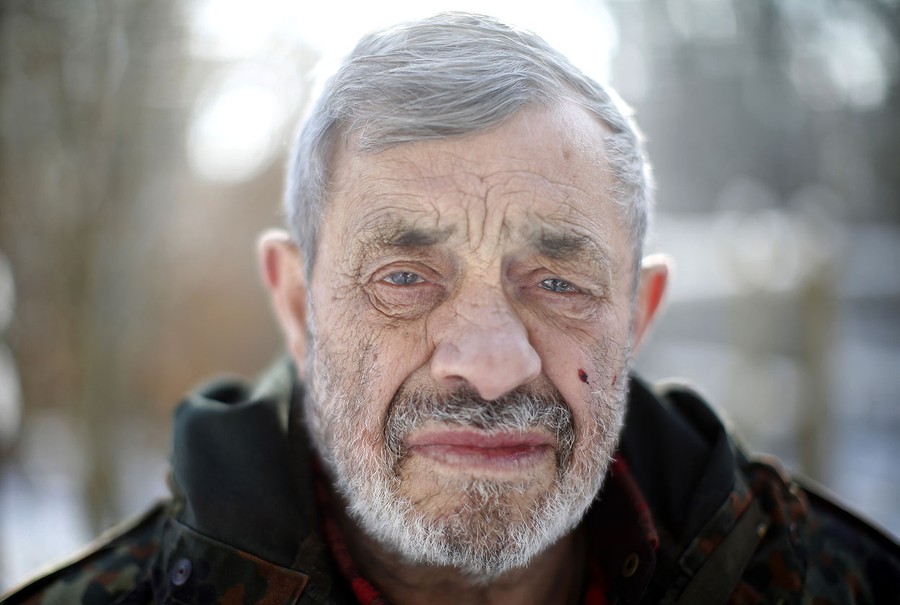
(491, 525)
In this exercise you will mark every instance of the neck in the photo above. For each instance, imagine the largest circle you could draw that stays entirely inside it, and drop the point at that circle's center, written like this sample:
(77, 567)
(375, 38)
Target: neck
(551, 578)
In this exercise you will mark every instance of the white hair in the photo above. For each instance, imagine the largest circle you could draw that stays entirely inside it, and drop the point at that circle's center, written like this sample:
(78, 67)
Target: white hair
(445, 76)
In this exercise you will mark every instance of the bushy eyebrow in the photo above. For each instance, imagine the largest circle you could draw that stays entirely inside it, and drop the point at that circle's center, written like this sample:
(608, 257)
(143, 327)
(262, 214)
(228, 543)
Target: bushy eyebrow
(399, 232)
(562, 244)
(569, 246)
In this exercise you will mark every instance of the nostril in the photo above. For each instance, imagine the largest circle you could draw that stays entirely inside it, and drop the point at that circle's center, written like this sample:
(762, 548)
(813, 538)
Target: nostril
(456, 382)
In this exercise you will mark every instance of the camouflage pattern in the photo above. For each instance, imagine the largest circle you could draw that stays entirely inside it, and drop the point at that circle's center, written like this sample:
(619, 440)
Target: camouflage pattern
(104, 572)
(798, 548)
(192, 568)
(770, 539)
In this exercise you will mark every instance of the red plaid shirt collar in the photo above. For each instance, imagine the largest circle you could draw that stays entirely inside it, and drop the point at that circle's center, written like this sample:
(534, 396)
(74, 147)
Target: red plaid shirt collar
(621, 542)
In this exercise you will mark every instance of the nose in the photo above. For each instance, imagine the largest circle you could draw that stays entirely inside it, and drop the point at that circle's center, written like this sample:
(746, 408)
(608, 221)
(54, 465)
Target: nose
(487, 348)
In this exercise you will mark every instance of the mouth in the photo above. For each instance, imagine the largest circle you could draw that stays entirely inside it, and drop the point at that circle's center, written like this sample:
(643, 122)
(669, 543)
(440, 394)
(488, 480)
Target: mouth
(474, 450)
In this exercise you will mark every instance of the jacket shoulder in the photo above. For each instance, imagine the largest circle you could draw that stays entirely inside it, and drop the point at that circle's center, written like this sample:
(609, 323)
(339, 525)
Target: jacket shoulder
(107, 570)
(815, 549)
(846, 550)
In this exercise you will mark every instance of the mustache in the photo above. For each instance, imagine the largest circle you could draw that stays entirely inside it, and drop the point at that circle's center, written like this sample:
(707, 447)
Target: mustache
(526, 408)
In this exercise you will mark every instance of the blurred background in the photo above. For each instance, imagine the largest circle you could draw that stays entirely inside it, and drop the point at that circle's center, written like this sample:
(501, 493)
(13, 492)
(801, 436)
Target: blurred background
(142, 150)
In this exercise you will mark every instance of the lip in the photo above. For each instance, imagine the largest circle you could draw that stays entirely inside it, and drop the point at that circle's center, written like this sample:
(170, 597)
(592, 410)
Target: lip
(476, 450)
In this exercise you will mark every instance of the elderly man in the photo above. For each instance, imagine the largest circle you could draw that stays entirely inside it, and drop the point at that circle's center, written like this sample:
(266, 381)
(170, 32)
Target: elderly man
(461, 295)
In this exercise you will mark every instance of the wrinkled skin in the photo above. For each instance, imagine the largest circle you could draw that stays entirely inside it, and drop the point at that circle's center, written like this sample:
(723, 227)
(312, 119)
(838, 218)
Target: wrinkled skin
(489, 266)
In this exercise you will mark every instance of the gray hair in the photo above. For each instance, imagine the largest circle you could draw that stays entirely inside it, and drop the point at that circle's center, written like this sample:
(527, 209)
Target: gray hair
(445, 76)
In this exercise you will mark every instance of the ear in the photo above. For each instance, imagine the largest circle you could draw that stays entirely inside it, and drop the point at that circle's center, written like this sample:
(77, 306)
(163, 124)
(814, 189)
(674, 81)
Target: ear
(651, 291)
(281, 267)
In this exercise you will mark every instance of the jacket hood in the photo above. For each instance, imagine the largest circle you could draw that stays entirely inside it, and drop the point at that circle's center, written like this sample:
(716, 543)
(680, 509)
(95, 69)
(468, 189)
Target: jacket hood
(680, 453)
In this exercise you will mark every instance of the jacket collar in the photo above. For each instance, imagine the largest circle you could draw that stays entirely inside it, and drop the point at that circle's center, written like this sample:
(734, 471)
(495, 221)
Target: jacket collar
(680, 454)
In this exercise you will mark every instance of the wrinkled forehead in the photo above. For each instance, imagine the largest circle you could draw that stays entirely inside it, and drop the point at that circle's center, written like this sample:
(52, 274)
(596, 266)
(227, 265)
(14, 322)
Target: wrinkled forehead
(542, 171)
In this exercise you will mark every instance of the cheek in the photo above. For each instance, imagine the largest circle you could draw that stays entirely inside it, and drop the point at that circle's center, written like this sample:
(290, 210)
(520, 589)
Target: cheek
(585, 366)
(368, 362)
(398, 353)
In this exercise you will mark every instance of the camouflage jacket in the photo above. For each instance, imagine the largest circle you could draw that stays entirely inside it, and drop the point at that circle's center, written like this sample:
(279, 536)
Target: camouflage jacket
(242, 526)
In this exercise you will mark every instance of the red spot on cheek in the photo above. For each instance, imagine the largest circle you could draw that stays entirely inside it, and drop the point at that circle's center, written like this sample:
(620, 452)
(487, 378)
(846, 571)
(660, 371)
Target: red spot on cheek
(615, 378)
(582, 375)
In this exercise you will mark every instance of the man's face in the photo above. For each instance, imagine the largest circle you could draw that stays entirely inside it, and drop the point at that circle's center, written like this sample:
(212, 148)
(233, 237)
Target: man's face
(469, 334)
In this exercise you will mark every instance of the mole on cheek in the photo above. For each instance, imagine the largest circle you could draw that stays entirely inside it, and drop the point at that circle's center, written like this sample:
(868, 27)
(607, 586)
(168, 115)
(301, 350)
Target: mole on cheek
(582, 375)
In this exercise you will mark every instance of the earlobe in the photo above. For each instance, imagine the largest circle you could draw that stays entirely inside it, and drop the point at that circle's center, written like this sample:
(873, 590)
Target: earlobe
(281, 269)
(651, 291)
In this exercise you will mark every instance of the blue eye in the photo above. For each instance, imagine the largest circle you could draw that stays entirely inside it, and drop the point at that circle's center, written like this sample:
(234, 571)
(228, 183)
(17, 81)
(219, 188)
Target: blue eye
(403, 278)
(558, 285)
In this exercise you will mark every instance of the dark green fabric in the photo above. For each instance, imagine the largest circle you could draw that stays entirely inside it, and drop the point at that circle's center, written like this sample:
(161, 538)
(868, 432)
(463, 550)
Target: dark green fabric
(689, 469)
(230, 465)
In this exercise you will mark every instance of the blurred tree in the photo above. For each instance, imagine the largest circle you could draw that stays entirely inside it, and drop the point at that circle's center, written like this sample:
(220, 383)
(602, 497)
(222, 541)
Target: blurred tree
(88, 129)
(785, 108)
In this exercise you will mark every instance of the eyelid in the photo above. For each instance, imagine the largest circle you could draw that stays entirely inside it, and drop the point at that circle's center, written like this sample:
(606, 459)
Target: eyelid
(379, 274)
(419, 278)
(571, 287)
(404, 300)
